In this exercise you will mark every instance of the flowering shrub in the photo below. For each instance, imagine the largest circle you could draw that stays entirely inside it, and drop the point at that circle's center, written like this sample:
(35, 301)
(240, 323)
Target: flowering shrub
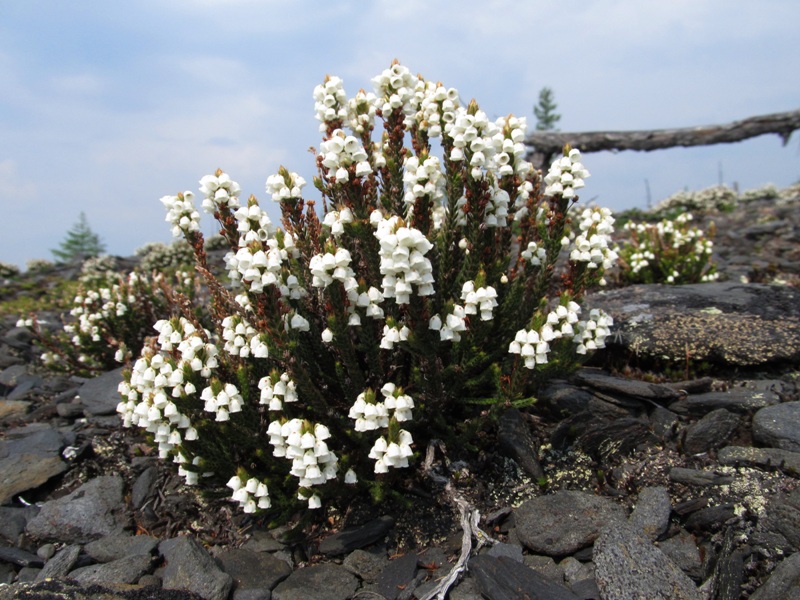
(669, 251)
(8, 270)
(159, 257)
(109, 320)
(38, 265)
(718, 197)
(427, 285)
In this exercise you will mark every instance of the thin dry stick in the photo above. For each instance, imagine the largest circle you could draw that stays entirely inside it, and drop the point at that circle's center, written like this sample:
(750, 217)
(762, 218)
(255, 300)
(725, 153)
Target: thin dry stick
(469, 524)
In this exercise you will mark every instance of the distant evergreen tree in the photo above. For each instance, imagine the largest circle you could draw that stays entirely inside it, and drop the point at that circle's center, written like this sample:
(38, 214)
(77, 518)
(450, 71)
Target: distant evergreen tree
(545, 111)
(81, 242)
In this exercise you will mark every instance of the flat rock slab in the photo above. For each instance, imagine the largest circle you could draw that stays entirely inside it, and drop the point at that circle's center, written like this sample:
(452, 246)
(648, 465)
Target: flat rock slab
(29, 456)
(629, 566)
(502, 578)
(92, 511)
(253, 570)
(55, 588)
(727, 323)
(353, 538)
(190, 567)
(114, 547)
(562, 523)
(123, 570)
(778, 426)
(99, 395)
(320, 582)
(760, 457)
(784, 582)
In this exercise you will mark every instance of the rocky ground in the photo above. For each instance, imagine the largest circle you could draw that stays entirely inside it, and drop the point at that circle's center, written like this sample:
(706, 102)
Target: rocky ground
(669, 469)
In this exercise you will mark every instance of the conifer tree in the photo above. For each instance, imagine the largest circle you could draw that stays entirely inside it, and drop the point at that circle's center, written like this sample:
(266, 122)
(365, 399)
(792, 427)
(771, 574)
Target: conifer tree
(80, 242)
(545, 111)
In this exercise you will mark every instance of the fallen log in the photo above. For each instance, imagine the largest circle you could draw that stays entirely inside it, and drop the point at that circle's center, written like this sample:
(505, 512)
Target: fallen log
(544, 146)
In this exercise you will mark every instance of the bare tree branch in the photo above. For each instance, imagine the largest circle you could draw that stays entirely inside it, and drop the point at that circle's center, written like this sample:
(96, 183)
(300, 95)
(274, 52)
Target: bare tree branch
(544, 146)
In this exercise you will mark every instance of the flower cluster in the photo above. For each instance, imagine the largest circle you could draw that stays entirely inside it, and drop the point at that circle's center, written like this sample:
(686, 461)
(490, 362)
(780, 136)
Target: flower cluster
(483, 300)
(220, 192)
(455, 322)
(284, 186)
(403, 261)
(591, 244)
(276, 389)
(330, 102)
(388, 453)
(251, 494)
(344, 157)
(242, 339)
(566, 175)
(592, 333)
(312, 462)
(181, 213)
(423, 180)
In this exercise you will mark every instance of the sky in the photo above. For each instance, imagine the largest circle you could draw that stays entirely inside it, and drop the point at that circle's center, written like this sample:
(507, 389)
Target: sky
(105, 107)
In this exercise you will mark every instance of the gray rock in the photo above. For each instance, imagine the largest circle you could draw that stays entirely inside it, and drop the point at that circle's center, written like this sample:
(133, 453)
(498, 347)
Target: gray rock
(55, 588)
(352, 538)
(694, 477)
(252, 594)
(739, 400)
(784, 582)
(726, 323)
(253, 570)
(143, 487)
(571, 400)
(114, 547)
(189, 567)
(502, 578)
(319, 582)
(629, 566)
(100, 395)
(366, 565)
(29, 456)
(13, 410)
(263, 541)
(19, 557)
(61, 564)
(627, 387)
(46, 551)
(781, 527)
(778, 426)
(710, 517)
(652, 511)
(683, 551)
(712, 431)
(561, 523)
(397, 574)
(10, 375)
(93, 510)
(13, 520)
(124, 570)
(511, 551)
(516, 442)
(545, 566)
(760, 457)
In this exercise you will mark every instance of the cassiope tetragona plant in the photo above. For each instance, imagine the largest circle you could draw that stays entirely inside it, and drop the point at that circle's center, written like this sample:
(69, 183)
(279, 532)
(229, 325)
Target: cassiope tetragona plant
(423, 291)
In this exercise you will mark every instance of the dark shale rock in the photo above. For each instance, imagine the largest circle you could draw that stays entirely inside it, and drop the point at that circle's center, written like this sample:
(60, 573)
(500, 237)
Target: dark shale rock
(189, 567)
(99, 395)
(784, 582)
(727, 323)
(512, 551)
(516, 442)
(123, 570)
(712, 431)
(781, 527)
(351, 538)
(72, 590)
(397, 574)
(502, 578)
(569, 400)
(737, 400)
(683, 551)
(629, 566)
(627, 387)
(93, 510)
(318, 582)
(61, 564)
(366, 565)
(652, 511)
(760, 457)
(693, 477)
(13, 521)
(144, 487)
(253, 570)
(778, 426)
(711, 517)
(18, 557)
(561, 523)
(114, 547)
(29, 456)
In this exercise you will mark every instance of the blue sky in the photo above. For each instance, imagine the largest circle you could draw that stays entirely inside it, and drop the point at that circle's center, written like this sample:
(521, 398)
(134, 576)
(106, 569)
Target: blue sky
(107, 106)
